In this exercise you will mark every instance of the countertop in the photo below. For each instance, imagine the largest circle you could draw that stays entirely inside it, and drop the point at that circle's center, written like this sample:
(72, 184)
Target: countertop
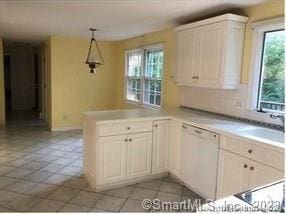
(268, 198)
(218, 124)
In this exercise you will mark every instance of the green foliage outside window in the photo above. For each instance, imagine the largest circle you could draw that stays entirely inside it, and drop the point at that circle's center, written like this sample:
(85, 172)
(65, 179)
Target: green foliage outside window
(273, 82)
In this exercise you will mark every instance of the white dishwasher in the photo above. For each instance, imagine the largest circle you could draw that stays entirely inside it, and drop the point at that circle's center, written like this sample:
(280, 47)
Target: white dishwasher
(199, 160)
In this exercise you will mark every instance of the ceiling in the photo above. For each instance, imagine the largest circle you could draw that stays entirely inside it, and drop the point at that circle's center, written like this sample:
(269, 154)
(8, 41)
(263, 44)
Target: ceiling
(32, 21)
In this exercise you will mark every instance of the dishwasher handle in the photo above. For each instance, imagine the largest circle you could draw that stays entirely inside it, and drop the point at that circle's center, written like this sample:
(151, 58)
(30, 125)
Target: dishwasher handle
(205, 134)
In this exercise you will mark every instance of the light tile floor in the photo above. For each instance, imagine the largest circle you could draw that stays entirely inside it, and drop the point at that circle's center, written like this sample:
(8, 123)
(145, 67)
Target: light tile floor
(42, 171)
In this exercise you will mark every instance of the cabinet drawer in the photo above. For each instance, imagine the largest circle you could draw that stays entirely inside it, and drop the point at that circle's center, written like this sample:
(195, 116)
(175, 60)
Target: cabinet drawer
(258, 153)
(125, 128)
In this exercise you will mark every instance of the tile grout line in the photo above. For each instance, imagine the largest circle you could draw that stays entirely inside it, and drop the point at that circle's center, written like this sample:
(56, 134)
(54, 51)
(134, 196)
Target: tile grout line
(128, 197)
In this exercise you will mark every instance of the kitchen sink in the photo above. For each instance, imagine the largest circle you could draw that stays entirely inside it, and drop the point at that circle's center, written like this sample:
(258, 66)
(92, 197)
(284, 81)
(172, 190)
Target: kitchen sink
(263, 133)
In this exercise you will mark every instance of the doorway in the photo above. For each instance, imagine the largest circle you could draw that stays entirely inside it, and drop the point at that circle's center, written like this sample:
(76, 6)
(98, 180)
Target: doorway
(23, 84)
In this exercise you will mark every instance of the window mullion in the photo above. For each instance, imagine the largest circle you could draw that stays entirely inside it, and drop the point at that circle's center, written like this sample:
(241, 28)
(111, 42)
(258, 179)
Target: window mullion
(142, 75)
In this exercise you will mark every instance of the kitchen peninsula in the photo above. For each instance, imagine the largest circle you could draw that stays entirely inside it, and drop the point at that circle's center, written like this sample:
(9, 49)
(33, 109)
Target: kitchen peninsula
(212, 155)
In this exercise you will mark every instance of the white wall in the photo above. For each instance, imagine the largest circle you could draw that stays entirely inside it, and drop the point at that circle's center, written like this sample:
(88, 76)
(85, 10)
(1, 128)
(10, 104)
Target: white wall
(22, 75)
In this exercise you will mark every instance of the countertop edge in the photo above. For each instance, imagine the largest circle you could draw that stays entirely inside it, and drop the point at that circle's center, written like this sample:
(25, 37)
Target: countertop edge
(266, 143)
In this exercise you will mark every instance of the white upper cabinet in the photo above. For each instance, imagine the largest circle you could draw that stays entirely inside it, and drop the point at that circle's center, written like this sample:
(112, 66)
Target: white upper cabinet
(209, 52)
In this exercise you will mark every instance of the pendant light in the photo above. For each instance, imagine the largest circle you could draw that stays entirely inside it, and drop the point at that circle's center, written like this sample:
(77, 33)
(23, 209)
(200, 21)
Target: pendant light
(94, 57)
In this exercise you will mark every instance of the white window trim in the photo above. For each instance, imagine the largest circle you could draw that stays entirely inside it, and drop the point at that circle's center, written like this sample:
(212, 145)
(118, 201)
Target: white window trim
(259, 28)
(143, 49)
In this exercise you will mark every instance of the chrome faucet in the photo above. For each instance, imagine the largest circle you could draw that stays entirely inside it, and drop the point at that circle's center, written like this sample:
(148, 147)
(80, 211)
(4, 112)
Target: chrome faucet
(279, 116)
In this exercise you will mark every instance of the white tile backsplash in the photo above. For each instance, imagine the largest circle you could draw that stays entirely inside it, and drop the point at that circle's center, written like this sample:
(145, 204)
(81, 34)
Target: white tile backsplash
(231, 102)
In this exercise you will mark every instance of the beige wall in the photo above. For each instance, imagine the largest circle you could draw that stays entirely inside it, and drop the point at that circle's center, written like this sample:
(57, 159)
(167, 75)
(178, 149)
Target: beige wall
(72, 89)
(170, 90)
(2, 88)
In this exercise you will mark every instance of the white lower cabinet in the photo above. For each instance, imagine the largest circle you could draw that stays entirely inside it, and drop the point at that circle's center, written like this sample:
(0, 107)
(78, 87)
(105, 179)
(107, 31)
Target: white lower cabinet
(174, 143)
(124, 157)
(232, 174)
(261, 174)
(112, 159)
(237, 174)
(160, 146)
(147, 149)
(139, 153)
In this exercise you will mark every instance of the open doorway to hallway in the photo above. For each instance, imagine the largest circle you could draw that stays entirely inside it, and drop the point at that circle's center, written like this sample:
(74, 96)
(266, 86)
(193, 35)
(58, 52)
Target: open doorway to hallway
(24, 84)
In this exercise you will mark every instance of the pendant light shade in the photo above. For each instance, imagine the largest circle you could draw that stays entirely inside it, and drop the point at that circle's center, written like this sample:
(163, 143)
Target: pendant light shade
(94, 58)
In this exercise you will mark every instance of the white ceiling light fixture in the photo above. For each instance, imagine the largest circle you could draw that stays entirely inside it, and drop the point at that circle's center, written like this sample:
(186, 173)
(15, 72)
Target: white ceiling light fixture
(94, 58)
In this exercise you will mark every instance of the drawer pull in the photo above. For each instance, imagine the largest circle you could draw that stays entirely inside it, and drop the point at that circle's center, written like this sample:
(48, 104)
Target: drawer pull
(252, 168)
(130, 139)
(198, 132)
(245, 166)
(126, 140)
(250, 151)
(128, 128)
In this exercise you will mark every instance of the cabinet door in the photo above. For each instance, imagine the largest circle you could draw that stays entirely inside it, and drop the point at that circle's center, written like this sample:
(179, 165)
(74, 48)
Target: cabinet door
(187, 47)
(159, 154)
(211, 54)
(233, 174)
(174, 139)
(139, 155)
(261, 174)
(112, 158)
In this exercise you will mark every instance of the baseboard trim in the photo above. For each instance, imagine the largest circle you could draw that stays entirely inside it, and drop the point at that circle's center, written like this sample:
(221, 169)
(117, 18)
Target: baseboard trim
(66, 128)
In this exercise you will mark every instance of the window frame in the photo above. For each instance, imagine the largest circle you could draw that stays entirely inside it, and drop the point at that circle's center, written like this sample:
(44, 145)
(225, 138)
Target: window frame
(260, 29)
(144, 50)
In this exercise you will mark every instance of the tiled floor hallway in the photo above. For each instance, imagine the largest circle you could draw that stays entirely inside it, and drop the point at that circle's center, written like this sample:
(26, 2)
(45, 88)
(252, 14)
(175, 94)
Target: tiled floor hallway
(42, 171)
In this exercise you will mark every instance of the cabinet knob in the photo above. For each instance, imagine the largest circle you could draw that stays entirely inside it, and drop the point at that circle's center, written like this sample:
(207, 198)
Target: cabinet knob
(127, 127)
(156, 125)
(252, 168)
(126, 140)
(184, 127)
(130, 139)
(245, 166)
(250, 151)
(194, 77)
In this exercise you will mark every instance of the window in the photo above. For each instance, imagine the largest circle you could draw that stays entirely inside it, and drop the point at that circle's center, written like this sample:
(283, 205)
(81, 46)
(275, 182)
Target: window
(271, 95)
(267, 91)
(144, 74)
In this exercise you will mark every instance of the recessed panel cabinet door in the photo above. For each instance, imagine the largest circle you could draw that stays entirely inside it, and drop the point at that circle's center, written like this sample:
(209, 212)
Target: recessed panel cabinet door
(160, 146)
(261, 174)
(112, 158)
(187, 53)
(174, 140)
(233, 174)
(211, 53)
(139, 155)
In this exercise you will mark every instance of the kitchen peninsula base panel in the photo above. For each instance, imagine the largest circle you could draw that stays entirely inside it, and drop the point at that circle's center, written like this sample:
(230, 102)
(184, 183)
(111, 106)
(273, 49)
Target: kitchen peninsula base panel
(98, 188)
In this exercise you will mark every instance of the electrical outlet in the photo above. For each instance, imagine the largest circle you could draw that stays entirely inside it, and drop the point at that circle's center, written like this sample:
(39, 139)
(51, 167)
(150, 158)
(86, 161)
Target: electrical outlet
(238, 104)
